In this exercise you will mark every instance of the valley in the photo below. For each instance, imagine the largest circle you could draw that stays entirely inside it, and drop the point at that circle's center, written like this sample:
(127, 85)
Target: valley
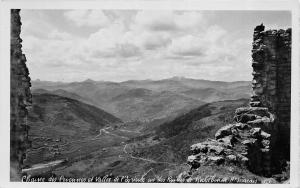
(73, 136)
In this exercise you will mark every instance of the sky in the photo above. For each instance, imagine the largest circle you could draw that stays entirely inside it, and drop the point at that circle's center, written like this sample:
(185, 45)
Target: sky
(120, 45)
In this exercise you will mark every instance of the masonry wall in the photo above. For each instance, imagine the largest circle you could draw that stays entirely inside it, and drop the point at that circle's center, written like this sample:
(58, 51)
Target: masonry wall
(272, 79)
(20, 98)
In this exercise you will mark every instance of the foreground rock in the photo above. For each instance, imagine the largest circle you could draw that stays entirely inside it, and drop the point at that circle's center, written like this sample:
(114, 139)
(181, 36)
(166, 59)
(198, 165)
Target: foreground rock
(239, 143)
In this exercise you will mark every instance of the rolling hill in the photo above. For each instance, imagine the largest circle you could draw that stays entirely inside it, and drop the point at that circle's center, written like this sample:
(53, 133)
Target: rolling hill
(148, 100)
(58, 123)
(171, 140)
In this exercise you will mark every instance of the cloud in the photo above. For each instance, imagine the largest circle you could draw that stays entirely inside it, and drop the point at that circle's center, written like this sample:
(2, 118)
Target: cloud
(147, 31)
(139, 45)
(155, 20)
(110, 42)
(215, 33)
(147, 40)
(207, 44)
(36, 24)
(59, 35)
(188, 45)
(91, 18)
(168, 21)
(127, 50)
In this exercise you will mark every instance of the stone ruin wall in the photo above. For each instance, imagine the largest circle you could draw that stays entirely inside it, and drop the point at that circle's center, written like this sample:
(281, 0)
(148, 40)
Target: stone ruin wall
(272, 78)
(259, 139)
(20, 98)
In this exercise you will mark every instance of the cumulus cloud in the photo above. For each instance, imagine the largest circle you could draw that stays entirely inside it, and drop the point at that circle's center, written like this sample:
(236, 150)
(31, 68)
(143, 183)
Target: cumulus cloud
(59, 35)
(188, 45)
(111, 42)
(138, 45)
(168, 20)
(208, 44)
(155, 20)
(92, 18)
(147, 40)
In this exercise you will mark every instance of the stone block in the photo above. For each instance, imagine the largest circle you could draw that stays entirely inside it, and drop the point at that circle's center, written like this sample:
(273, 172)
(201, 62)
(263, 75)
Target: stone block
(228, 140)
(224, 131)
(216, 159)
(199, 147)
(232, 158)
(255, 132)
(265, 135)
(218, 150)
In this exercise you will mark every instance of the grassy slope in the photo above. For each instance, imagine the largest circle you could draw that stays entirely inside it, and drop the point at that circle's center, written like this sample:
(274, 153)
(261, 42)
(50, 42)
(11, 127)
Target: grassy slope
(176, 137)
(60, 126)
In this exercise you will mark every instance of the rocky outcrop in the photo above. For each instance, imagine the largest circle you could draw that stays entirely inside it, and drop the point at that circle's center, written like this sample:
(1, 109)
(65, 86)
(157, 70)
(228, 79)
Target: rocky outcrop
(246, 143)
(20, 98)
(261, 131)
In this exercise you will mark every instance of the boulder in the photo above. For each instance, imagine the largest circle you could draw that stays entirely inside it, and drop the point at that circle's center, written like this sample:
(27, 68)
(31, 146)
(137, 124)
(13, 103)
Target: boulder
(259, 111)
(218, 150)
(249, 142)
(216, 159)
(235, 132)
(244, 118)
(227, 140)
(224, 131)
(191, 158)
(266, 143)
(203, 160)
(255, 132)
(193, 161)
(199, 147)
(259, 121)
(265, 135)
(231, 158)
(242, 126)
(244, 160)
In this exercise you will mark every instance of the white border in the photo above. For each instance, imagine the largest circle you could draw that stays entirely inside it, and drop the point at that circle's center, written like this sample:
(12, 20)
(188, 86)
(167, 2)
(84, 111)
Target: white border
(291, 5)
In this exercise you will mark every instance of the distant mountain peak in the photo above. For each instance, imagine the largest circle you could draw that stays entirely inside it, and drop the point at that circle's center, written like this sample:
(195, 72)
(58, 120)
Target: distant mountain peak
(89, 80)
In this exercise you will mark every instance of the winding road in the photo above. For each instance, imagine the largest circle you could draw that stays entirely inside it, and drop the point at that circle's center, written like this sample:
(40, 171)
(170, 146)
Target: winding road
(144, 159)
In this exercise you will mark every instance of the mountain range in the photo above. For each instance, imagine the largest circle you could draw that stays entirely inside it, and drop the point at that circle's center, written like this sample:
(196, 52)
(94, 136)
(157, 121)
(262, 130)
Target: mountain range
(146, 100)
